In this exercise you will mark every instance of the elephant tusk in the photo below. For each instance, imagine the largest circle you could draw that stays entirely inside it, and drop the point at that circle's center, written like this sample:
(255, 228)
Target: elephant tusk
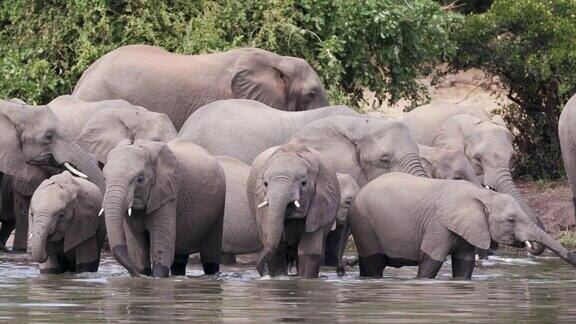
(75, 171)
(333, 226)
(297, 203)
(101, 212)
(263, 204)
(31, 236)
(129, 212)
(487, 187)
(528, 244)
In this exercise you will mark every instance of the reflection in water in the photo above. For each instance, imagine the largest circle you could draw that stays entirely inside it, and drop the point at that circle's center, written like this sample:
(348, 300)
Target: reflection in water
(504, 289)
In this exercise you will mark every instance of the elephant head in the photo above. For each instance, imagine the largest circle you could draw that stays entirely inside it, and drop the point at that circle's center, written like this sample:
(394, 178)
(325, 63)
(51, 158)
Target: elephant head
(441, 163)
(363, 147)
(63, 207)
(291, 182)
(488, 147)
(107, 128)
(348, 190)
(141, 177)
(33, 137)
(281, 82)
(485, 216)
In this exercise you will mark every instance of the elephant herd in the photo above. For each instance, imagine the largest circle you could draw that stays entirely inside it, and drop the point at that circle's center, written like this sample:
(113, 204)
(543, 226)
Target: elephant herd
(239, 152)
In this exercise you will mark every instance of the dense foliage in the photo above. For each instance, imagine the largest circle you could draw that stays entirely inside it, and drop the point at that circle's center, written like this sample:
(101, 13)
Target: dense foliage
(380, 45)
(531, 46)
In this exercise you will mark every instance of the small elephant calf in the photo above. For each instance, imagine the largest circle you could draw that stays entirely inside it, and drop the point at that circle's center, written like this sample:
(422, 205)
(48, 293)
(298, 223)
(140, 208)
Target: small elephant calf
(66, 233)
(399, 220)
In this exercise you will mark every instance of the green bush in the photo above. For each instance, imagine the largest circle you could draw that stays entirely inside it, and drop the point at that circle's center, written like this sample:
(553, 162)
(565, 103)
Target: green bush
(380, 45)
(530, 45)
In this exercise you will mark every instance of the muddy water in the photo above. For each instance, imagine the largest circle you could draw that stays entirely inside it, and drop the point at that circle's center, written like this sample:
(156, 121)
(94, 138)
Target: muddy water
(504, 289)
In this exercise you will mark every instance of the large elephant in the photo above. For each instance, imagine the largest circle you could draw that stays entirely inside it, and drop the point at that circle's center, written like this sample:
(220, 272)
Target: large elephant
(177, 85)
(240, 235)
(250, 127)
(566, 133)
(486, 144)
(398, 220)
(441, 163)
(66, 234)
(163, 201)
(293, 194)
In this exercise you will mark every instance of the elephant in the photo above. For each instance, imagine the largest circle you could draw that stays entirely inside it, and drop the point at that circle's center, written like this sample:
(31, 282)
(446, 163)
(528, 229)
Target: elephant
(401, 220)
(487, 145)
(246, 119)
(240, 235)
(441, 163)
(163, 202)
(294, 196)
(66, 233)
(566, 130)
(177, 85)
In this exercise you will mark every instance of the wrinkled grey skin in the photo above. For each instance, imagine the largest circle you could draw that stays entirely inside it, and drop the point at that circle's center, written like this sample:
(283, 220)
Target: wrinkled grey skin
(66, 233)
(400, 220)
(176, 194)
(281, 179)
(36, 144)
(100, 126)
(177, 85)
(240, 235)
(566, 132)
(249, 127)
(441, 163)
(487, 145)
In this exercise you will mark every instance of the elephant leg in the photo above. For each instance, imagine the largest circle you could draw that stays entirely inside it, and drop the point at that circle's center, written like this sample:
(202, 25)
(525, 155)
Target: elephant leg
(162, 229)
(228, 258)
(311, 253)
(88, 256)
(7, 228)
(568, 146)
(463, 261)
(179, 265)
(52, 264)
(428, 268)
(372, 266)
(212, 249)
(21, 207)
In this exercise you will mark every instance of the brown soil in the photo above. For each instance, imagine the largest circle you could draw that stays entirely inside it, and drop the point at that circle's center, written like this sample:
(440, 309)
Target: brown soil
(552, 202)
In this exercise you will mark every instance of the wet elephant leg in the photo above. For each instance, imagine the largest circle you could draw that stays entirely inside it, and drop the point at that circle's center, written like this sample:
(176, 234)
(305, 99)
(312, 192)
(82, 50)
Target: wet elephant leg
(372, 266)
(179, 265)
(211, 251)
(138, 245)
(228, 258)
(311, 253)
(428, 268)
(5, 231)
(463, 261)
(21, 207)
(88, 255)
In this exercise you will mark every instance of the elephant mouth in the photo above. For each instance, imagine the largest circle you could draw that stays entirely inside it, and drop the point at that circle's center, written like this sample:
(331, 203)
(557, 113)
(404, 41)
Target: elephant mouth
(43, 160)
(293, 212)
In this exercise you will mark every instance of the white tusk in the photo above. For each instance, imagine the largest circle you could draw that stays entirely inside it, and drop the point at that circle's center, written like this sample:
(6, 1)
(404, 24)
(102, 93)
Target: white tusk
(31, 236)
(74, 171)
(528, 245)
(129, 211)
(101, 212)
(263, 204)
(333, 226)
(297, 203)
(487, 187)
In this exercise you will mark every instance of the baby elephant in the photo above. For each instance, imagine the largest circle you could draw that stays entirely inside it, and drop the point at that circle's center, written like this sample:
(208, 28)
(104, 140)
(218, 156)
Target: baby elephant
(398, 220)
(66, 233)
(442, 163)
(294, 195)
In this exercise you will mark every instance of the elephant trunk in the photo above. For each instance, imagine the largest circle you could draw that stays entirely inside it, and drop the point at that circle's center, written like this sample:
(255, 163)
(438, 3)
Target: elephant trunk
(278, 197)
(539, 235)
(81, 160)
(42, 228)
(504, 184)
(115, 208)
(411, 164)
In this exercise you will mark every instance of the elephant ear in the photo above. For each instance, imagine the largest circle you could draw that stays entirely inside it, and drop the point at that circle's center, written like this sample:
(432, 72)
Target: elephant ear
(106, 129)
(155, 127)
(85, 223)
(12, 160)
(454, 131)
(469, 220)
(326, 201)
(257, 77)
(167, 173)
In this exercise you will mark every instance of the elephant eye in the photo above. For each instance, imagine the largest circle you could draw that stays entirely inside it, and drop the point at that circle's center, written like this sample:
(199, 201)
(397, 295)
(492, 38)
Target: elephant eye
(304, 183)
(49, 137)
(511, 219)
(265, 184)
(385, 160)
(348, 202)
(140, 179)
(477, 158)
(311, 94)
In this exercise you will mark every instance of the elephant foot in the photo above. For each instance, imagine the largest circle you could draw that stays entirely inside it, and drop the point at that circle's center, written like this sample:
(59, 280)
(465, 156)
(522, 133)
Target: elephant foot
(341, 271)
(160, 271)
(18, 250)
(146, 272)
(179, 265)
(210, 268)
(428, 267)
(50, 271)
(88, 267)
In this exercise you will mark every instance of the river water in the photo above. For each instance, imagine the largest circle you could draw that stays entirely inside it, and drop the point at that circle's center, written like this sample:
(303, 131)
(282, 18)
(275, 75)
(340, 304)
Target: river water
(504, 289)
